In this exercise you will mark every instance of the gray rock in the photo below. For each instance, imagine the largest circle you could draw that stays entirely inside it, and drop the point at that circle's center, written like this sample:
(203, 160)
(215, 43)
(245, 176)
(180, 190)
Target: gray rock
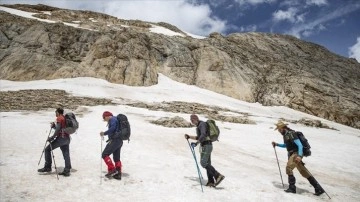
(271, 69)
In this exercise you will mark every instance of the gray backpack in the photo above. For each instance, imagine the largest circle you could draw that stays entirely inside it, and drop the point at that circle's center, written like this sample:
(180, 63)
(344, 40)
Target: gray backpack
(71, 124)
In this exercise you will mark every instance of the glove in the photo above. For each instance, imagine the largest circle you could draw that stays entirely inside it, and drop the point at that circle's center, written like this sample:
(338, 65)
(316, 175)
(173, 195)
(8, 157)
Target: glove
(52, 125)
(273, 144)
(193, 144)
(50, 139)
(187, 136)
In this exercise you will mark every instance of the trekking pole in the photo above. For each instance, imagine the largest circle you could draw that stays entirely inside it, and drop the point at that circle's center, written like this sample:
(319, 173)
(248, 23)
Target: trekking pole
(101, 140)
(319, 183)
(57, 175)
(44, 146)
(279, 167)
(197, 166)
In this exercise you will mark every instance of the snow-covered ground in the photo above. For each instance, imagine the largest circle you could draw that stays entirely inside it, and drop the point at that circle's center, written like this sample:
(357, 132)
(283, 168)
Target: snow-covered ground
(157, 163)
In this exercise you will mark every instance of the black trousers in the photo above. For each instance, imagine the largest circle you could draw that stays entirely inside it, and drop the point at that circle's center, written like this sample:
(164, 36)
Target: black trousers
(113, 147)
(64, 144)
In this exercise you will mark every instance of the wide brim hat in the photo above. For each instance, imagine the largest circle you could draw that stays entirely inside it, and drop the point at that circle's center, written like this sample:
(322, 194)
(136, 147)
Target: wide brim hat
(280, 124)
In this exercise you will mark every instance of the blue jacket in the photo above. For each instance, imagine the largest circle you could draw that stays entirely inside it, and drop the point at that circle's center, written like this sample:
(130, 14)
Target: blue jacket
(112, 127)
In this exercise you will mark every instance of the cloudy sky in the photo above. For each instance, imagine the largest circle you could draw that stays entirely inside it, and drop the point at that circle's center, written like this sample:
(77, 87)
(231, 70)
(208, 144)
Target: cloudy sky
(334, 24)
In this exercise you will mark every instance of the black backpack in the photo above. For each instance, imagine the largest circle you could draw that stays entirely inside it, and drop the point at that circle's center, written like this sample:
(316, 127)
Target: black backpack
(305, 143)
(124, 127)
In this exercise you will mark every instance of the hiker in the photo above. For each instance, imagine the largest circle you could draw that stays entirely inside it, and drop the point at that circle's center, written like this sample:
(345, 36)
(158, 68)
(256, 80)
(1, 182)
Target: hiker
(113, 146)
(295, 154)
(58, 139)
(202, 137)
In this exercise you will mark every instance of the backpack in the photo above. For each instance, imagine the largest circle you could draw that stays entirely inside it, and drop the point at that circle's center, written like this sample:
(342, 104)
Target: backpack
(71, 124)
(124, 127)
(214, 131)
(305, 143)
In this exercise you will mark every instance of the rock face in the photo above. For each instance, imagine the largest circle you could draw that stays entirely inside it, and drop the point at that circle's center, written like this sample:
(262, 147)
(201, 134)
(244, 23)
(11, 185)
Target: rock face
(45, 99)
(271, 69)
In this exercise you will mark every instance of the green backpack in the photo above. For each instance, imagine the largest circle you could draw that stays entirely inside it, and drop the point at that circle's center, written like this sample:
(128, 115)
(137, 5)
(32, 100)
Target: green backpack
(213, 130)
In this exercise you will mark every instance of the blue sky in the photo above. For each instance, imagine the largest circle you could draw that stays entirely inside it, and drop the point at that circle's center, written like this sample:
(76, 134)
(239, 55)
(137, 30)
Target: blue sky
(334, 24)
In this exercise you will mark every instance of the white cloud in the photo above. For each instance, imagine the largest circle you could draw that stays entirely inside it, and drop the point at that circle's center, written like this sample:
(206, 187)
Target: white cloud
(303, 4)
(253, 2)
(307, 28)
(189, 17)
(300, 18)
(354, 51)
(289, 15)
(316, 2)
(249, 28)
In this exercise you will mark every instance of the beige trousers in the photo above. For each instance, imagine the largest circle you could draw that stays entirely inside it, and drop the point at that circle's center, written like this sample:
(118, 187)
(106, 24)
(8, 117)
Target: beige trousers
(291, 164)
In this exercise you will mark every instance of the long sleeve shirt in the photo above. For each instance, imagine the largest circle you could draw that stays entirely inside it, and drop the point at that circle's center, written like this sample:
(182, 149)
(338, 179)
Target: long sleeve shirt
(202, 131)
(289, 142)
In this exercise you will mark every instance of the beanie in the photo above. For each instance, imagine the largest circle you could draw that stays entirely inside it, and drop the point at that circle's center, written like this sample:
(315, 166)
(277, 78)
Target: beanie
(106, 113)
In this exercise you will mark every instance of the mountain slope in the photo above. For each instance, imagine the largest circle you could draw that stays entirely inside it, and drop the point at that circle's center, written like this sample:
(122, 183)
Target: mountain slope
(158, 165)
(270, 69)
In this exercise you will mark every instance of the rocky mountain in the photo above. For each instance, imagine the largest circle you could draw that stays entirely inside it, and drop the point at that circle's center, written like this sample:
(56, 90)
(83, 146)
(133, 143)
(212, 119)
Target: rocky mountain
(271, 69)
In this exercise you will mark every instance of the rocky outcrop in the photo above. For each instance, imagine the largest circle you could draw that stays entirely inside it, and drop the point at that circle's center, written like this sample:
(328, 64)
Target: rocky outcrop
(270, 69)
(45, 99)
(174, 122)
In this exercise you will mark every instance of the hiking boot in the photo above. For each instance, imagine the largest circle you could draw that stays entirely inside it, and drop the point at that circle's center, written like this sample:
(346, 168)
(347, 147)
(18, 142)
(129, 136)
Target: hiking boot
(44, 169)
(65, 173)
(210, 184)
(111, 173)
(319, 191)
(117, 176)
(219, 179)
(291, 189)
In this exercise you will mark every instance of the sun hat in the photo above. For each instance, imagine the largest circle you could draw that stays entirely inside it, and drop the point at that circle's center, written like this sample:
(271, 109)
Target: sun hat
(280, 124)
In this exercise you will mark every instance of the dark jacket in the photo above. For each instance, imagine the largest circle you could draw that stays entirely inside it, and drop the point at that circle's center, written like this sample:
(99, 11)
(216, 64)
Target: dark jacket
(202, 132)
(289, 137)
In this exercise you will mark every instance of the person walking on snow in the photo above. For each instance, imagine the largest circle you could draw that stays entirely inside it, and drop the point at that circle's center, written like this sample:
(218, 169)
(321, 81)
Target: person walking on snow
(113, 146)
(202, 137)
(295, 153)
(59, 139)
